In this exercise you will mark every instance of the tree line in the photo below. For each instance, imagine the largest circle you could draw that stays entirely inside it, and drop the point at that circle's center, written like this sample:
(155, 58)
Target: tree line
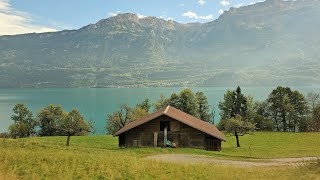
(284, 110)
(50, 121)
(195, 104)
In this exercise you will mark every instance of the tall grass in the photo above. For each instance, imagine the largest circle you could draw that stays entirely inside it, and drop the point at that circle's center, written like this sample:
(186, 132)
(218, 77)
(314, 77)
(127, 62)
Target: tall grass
(98, 157)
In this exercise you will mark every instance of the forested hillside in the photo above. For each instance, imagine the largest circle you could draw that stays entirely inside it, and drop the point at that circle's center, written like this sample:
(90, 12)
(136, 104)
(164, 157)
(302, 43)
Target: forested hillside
(268, 43)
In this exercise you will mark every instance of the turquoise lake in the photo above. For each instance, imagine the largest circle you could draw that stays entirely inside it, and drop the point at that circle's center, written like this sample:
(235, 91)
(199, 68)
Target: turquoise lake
(96, 103)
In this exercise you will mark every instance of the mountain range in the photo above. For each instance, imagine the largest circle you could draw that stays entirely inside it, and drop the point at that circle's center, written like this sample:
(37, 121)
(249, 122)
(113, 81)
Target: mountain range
(269, 43)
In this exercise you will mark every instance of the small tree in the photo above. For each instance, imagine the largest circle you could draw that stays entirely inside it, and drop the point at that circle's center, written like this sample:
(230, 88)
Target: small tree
(72, 124)
(24, 124)
(238, 127)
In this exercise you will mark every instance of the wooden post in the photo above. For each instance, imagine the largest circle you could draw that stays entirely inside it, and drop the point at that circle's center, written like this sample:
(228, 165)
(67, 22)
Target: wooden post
(155, 139)
(165, 136)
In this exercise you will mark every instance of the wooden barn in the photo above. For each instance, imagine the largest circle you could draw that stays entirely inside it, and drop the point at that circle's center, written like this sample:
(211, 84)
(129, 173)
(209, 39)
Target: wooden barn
(170, 127)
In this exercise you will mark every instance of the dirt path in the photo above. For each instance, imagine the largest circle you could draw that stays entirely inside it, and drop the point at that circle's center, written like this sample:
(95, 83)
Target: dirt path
(196, 159)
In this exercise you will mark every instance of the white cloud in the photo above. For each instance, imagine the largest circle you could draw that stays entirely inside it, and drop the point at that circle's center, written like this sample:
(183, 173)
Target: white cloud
(190, 14)
(111, 14)
(140, 16)
(225, 2)
(221, 11)
(165, 17)
(13, 21)
(239, 5)
(181, 4)
(201, 2)
(193, 15)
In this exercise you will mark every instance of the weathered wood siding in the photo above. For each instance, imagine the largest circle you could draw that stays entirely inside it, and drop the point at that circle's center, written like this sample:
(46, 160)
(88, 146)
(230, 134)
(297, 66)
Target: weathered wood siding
(180, 134)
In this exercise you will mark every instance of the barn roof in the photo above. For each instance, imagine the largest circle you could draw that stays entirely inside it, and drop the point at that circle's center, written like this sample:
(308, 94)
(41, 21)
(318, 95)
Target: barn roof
(178, 115)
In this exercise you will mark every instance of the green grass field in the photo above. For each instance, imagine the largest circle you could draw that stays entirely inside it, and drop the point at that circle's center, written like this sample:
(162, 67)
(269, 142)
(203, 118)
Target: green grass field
(98, 157)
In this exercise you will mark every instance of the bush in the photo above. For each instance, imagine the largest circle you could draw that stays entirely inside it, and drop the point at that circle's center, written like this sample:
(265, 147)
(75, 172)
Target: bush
(18, 130)
(4, 135)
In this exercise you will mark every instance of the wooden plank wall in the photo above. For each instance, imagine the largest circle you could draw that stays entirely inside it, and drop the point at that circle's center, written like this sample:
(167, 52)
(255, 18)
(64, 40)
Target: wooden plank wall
(181, 134)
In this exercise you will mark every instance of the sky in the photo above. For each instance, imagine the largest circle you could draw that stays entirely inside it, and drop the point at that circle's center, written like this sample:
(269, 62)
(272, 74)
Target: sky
(28, 16)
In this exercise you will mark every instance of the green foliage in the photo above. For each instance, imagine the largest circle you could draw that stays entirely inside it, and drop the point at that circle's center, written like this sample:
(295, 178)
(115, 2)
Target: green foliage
(227, 104)
(120, 118)
(19, 130)
(24, 124)
(164, 102)
(259, 115)
(73, 123)
(54, 121)
(287, 108)
(316, 119)
(4, 135)
(313, 100)
(203, 107)
(237, 126)
(48, 119)
(195, 104)
(145, 104)
(187, 102)
(234, 104)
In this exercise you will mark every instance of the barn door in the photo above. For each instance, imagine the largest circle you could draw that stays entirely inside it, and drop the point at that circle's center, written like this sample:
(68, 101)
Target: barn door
(209, 144)
(183, 140)
(122, 140)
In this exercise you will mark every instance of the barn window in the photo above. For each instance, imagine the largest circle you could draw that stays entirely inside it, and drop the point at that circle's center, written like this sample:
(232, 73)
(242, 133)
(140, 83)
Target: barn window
(164, 124)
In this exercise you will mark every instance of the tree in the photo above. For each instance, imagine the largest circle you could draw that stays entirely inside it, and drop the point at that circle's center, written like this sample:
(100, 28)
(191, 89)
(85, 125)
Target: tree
(18, 130)
(240, 105)
(120, 118)
(145, 104)
(174, 100)
(287, 108)
(72, 124)
(48, 119)
(161, 103)
(226, 106)
(316, 119)
(313, 100)
(299, 110)
(213, 114)
(278, 100)
(24, 124)
(188, 102)
(204, 108)
(235, 103)
(195, 104)
(237, 126)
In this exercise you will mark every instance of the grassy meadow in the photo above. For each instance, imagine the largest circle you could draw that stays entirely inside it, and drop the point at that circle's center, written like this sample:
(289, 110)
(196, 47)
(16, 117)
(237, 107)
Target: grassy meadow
(98, 157)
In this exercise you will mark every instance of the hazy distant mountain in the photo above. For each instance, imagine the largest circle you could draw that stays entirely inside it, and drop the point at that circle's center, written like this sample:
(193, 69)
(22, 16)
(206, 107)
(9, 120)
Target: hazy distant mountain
(269, 43)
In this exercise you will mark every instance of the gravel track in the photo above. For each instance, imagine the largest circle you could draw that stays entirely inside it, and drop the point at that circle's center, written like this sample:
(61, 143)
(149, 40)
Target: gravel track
(202, 159)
